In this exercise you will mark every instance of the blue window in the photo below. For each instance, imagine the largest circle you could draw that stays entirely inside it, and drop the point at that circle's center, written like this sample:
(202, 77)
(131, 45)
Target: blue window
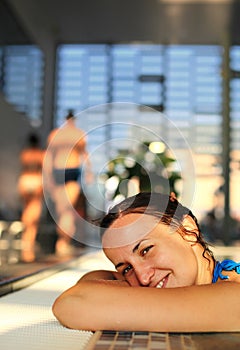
(22, 78)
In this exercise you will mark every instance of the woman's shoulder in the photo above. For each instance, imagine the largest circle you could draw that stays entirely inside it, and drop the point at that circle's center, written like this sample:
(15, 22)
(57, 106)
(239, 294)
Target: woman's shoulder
(234, 276)
(227, 270)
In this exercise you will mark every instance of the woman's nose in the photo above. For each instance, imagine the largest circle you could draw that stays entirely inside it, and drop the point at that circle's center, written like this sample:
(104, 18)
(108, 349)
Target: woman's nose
(144, 274)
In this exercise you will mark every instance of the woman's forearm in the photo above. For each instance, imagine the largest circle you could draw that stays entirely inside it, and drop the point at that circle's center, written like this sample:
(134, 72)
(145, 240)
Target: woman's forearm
(99, 275)
(73, 303)
(113, 305)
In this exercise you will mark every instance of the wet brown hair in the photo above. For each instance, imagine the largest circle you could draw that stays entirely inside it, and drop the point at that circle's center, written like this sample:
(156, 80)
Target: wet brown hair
(164, 207)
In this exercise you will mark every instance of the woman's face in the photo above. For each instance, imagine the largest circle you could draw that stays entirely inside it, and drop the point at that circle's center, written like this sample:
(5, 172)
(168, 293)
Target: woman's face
(160, 258)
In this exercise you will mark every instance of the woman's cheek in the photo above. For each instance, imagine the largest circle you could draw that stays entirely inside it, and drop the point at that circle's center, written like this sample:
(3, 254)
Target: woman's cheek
(132, 280)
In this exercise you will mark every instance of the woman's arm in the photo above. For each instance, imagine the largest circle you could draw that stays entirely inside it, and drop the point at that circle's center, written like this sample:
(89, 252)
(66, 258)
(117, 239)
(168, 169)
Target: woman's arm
(110, 304)
(103, 275)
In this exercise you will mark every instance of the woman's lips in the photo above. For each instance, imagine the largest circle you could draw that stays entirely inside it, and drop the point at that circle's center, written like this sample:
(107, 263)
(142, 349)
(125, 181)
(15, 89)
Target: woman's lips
(163, 282)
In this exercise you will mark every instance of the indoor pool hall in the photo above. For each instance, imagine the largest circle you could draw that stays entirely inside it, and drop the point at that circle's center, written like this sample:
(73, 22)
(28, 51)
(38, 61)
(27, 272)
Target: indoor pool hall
(119, 174)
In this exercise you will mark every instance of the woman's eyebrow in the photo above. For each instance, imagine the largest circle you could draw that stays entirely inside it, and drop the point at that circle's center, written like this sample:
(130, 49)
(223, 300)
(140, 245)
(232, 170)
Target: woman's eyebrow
(134, 250)
(137, 245)
(118, 265)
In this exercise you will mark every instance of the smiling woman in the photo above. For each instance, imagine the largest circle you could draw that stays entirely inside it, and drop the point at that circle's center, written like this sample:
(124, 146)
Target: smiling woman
(165, 278)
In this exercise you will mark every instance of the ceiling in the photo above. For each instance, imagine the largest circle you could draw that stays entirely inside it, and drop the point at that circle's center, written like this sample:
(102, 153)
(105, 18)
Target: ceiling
(159, 21)
(11, 31)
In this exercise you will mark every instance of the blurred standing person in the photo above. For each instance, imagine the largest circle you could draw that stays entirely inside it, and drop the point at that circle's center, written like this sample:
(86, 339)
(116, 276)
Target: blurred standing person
(31, 192)
(65, 157)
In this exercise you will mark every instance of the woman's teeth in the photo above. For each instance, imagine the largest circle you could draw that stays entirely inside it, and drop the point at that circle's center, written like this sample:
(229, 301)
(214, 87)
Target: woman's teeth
(160, 284)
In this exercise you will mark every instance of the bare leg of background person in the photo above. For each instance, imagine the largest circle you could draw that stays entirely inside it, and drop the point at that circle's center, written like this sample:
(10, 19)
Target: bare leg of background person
(30, 219)
(65, 200)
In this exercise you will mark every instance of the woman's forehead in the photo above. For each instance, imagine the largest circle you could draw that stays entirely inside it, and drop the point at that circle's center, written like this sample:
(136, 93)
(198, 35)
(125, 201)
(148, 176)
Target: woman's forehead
(129, 229)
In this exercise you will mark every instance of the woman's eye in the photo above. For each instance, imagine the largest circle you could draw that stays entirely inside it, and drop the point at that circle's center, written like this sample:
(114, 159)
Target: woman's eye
(126, 270)
(145, 250)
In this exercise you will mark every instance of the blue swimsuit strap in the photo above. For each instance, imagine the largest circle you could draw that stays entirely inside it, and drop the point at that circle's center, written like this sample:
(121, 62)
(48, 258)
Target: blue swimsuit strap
(226, 265)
